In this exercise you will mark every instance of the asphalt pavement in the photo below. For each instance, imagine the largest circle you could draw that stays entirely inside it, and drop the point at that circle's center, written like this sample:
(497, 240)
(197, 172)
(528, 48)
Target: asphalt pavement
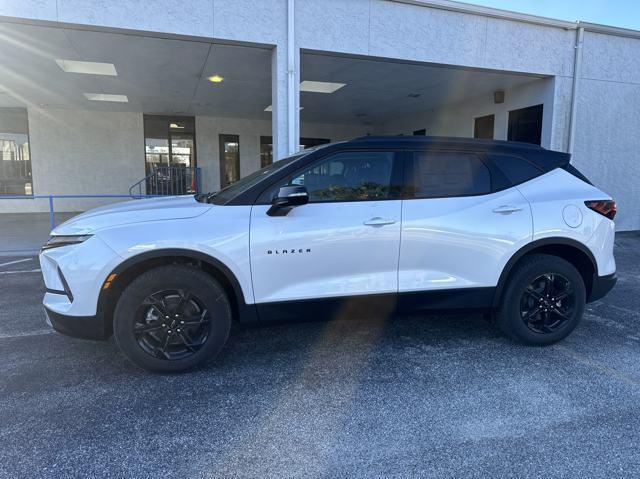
(437, 396)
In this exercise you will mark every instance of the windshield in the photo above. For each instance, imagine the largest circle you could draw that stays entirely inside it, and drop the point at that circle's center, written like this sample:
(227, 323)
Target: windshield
(253, 179)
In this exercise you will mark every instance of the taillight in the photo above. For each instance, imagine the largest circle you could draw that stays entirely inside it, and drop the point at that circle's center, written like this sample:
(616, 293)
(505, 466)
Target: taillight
(604, 207)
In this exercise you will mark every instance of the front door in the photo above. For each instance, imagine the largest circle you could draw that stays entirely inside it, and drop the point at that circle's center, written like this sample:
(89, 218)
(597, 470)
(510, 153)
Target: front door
(340, 248)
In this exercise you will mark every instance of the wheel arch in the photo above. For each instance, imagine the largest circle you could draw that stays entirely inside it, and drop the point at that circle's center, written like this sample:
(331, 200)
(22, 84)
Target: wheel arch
(132, 267)
(568, 249)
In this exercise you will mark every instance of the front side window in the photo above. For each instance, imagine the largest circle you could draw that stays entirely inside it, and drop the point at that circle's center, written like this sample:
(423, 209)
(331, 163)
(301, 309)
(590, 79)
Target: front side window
(447, 174)
(348, 176)
(15, 161)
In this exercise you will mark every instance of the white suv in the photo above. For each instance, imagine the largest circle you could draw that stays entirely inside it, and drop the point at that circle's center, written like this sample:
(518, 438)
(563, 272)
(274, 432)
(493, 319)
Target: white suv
(372, 226)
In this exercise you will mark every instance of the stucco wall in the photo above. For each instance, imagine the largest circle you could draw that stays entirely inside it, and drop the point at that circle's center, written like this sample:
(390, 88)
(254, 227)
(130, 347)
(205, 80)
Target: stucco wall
(81, 152)
(607, 143)
(411, 32)
(458, 119)
(371, 27)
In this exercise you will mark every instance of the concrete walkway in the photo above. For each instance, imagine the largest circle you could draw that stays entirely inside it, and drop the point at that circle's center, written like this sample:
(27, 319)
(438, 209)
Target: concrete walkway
(24, 233)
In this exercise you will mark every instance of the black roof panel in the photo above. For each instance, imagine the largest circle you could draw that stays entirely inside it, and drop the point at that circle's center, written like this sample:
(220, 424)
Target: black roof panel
(545, 159)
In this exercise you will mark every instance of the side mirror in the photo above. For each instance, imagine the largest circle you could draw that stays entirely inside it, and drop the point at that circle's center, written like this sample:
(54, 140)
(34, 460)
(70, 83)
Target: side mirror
(288, 197)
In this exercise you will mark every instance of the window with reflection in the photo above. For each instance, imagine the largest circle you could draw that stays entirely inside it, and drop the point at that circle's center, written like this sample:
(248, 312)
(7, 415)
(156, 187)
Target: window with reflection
(350, 176)
(15, 158)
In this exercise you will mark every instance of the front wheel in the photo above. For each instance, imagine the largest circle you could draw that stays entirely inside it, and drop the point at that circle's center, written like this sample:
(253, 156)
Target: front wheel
(172, 318)
(543, 302)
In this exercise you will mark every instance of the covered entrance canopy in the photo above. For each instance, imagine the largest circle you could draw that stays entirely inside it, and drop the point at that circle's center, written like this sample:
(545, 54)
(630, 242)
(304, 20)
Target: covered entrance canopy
(400, 98)
(95, 110)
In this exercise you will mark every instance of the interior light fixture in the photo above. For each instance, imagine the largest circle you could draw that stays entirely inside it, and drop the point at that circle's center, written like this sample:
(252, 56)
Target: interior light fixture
(88, 68)
(215, 79)
(175, 126)
(106, 97)
(320, 86)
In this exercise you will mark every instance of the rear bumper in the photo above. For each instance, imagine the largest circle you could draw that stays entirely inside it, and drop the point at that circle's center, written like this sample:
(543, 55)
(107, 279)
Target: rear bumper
(83, 327)
(601, 286)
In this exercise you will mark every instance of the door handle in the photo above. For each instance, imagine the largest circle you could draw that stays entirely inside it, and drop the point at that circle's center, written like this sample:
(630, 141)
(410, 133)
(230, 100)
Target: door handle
(506, 209)
(377, 221)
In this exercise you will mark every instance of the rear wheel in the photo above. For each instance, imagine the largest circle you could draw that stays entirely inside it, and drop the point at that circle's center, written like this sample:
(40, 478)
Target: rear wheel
(172, 318)
(543, 302)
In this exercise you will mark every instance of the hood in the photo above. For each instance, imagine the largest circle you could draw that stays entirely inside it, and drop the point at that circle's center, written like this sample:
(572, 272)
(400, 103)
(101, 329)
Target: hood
(135, 211)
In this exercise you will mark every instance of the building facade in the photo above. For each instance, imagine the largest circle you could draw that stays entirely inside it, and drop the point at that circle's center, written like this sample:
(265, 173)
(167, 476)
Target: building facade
(95, 96)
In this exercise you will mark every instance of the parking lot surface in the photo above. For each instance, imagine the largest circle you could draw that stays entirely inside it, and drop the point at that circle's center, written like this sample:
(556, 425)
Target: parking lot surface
(441, 396)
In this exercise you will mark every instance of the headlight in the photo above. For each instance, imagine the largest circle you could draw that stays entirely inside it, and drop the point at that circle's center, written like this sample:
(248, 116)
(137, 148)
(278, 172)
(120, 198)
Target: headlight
(61, 240)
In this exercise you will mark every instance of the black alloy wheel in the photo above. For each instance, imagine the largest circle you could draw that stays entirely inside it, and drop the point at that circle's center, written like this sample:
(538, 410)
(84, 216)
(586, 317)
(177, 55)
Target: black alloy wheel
(548, 303)
(543, 300)
(172, 318)
(172, 324)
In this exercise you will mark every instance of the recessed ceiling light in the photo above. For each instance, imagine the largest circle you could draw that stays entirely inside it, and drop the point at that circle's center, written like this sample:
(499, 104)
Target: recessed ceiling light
(106, 97)
(176, 126)
(215, 79)
(270, 108)
(89, 68)
(320, 86)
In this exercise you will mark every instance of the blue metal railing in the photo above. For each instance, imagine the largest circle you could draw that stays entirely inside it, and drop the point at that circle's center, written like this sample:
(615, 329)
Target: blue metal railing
(169, 181)
(52, 213)
(163, 181)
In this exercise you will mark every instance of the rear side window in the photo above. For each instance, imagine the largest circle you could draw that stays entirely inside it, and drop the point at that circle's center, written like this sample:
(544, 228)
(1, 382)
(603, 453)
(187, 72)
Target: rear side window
(516, 169)
(446, 174)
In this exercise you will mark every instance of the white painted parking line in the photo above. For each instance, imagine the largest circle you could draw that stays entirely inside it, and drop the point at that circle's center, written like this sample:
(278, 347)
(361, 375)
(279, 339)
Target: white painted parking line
(40, 332)
(18, 272)
(15, 262)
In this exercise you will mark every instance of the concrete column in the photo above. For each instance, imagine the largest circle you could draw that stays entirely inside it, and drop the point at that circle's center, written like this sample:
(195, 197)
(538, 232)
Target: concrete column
(285, 92)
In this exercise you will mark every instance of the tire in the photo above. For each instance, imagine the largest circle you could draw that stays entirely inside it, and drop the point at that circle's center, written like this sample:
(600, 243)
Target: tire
(172, 318)
(544, 300)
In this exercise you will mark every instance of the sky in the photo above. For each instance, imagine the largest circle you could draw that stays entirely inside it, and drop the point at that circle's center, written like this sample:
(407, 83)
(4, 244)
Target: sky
(617, 13)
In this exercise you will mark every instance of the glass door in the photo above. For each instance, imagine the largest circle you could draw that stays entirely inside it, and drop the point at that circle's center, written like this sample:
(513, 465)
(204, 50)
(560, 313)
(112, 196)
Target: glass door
(170, 155)
(229, 159)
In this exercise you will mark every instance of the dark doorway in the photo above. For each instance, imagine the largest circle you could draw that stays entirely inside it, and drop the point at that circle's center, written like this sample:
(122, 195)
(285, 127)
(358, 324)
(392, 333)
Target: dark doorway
(483, 127)
(229, 159)
(525, 125)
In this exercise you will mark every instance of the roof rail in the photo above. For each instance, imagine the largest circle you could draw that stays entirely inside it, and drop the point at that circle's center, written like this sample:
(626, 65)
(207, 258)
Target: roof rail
(445, 139)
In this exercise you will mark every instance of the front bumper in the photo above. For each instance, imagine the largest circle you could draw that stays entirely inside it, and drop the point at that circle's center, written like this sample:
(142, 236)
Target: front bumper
(601, 285)
(83, 327)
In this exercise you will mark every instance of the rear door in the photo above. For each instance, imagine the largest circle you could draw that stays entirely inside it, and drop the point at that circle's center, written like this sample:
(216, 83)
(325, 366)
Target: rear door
(457, 231)
(342, 246)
